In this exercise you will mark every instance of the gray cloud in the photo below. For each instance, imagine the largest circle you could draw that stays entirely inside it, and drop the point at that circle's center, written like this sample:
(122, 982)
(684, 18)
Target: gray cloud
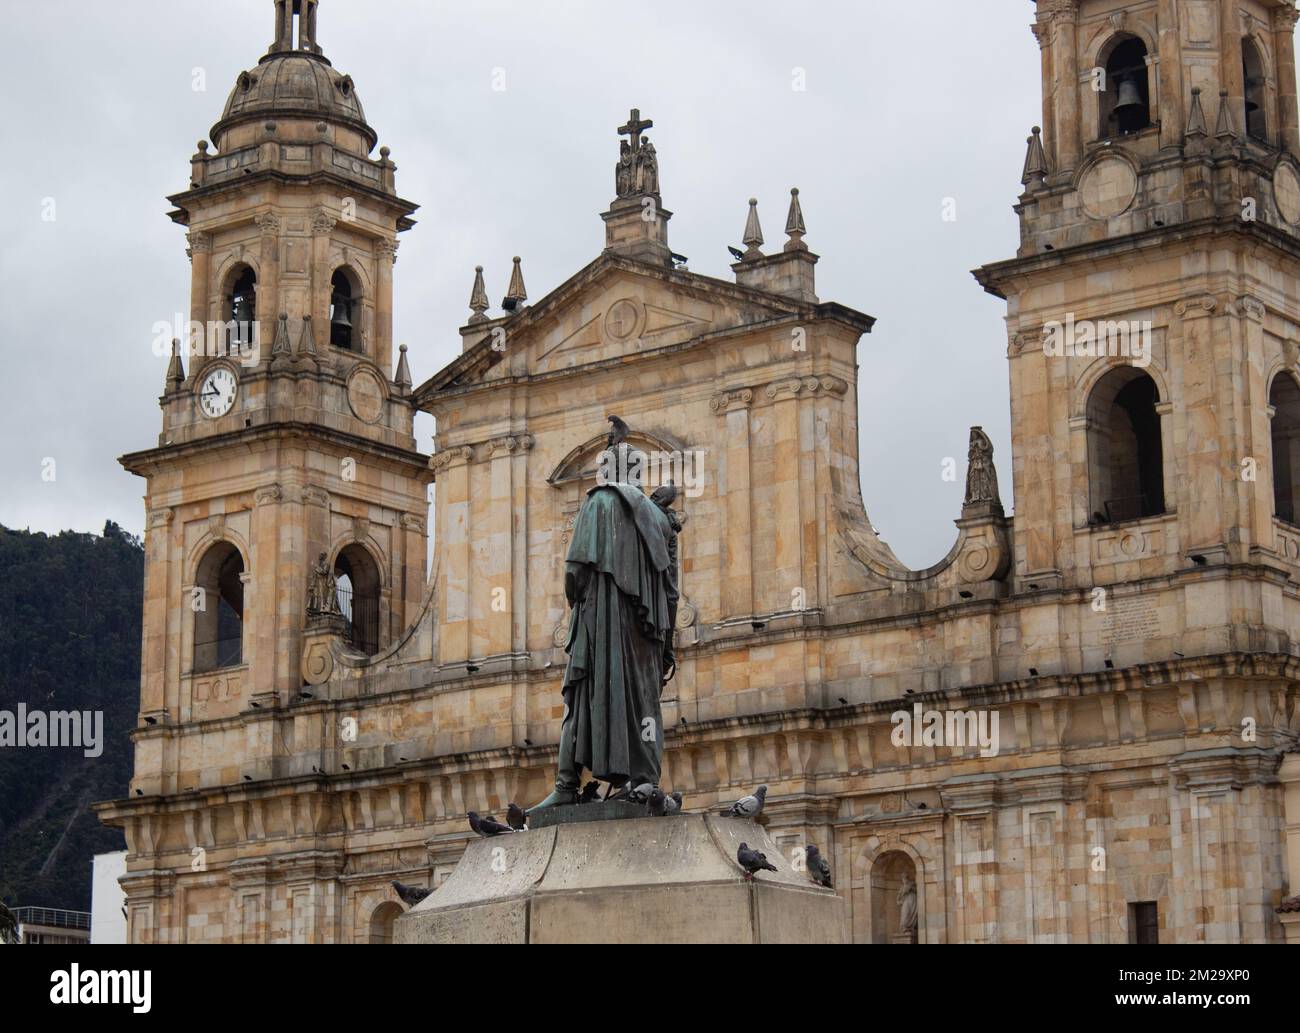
(906, 104)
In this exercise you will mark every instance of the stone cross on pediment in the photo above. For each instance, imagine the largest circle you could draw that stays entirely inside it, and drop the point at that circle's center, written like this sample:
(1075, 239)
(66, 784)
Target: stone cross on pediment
(635, 127)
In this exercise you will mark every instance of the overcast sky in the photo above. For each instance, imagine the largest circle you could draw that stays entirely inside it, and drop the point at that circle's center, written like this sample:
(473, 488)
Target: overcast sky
(905, 104)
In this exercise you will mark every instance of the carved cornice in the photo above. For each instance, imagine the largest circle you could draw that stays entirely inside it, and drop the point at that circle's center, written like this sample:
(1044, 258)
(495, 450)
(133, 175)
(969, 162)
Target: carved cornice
(267, 222)
(509, 444)
(795, 387)
(387, 249)
(1283, 19)
(322, 221)
(1196, 306)
(446, 457)
(726, 401)
(198, 241)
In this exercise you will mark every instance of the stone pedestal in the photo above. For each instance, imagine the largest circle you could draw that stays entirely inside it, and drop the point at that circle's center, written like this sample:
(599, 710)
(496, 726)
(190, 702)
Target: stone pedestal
(640, 880)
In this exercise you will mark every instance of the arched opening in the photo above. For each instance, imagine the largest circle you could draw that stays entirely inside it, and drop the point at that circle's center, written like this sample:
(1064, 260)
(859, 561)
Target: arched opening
(1125, 453)
(381, 922)
(1254, 79)
(1284, 398)
(218, 604)
(345, 311)
(358, 594)
(241, 309)
(1126, 99)
(895, 899)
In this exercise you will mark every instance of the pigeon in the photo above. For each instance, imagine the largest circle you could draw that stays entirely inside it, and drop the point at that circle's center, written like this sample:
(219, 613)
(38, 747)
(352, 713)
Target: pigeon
(515, 817)
(589, 791)
(488, 826)
(674, 802)
(636, 794)
(656, 805)
(817, 866)
(618, 432)
(748, 806)
(753, 861)
(736, 253)
(411, 895)
(664, 496)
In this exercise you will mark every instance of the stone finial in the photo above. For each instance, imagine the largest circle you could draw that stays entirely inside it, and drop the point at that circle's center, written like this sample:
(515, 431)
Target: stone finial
(1225, 129)
(794, 225)
(307, 339)
(1196, 127)
(478, 299)
(753, 238)
(403, 376)
(175, 368)
(1035, 171)
(281, 345)
(515, 293)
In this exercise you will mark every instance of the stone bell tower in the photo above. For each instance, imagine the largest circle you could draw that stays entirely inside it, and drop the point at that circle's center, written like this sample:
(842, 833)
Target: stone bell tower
(1151, 306)
(286, 431)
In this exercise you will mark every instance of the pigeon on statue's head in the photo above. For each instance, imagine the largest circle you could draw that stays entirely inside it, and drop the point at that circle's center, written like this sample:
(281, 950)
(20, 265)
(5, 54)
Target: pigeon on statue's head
(618, 432)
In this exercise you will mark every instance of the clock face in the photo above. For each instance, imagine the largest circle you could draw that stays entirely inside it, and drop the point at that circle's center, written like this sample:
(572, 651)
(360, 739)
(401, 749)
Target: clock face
(217, 392)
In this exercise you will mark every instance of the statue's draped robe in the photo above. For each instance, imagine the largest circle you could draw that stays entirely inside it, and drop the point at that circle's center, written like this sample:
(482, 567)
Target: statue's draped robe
(621, 580)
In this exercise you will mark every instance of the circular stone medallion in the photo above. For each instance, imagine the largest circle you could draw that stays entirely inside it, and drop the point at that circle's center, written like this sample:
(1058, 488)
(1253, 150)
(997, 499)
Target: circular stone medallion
(1286, 192)
(1108, 188)
(621, 319)
(366, 394)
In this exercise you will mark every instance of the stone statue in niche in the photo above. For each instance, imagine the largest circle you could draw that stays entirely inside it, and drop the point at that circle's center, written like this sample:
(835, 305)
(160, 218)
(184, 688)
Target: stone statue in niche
(322, 589)
(981, 476)
(907, 906)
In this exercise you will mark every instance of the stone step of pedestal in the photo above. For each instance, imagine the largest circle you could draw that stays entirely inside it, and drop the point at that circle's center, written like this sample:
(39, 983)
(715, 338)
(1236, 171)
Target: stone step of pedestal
(640, 880)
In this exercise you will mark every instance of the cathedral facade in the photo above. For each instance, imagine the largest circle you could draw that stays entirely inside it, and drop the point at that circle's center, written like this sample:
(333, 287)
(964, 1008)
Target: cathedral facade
(1079, 726)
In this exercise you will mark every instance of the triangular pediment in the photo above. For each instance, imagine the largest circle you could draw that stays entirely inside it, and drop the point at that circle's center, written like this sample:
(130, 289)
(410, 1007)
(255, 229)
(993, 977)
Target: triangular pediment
(614, 307)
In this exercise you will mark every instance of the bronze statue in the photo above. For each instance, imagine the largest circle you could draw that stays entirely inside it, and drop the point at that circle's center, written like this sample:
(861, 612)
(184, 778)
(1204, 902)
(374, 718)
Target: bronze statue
(621, 581)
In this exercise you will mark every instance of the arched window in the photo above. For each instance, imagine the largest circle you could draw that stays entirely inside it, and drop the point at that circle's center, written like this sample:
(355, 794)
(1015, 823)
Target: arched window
(358, 581)
(1285, 400)
(345, 311)
(1254, 79)
(1126, 100)
(1125, 454)
(381, 922)
(219, 609)
(241, 309)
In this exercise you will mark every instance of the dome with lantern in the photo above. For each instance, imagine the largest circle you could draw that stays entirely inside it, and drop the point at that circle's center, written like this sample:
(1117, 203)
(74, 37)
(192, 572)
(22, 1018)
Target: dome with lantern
(294, 80)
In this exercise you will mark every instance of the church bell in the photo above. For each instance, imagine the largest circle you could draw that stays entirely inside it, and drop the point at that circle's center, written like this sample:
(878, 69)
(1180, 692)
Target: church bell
(1129, 97)
(339, 309)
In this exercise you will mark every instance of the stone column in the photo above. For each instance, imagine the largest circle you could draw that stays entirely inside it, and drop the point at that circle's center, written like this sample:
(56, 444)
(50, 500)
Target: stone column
(381, 347)
(200, 251)
(451, 467)
(263, 615)
(1232, 76)
(1289, 775)
(322, 225)
(737, 594)
(787, 550)
(1288, 112)
(1056, 23)
(1169, 75)
(158, 606)
(268, 282)
(1201, 476)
